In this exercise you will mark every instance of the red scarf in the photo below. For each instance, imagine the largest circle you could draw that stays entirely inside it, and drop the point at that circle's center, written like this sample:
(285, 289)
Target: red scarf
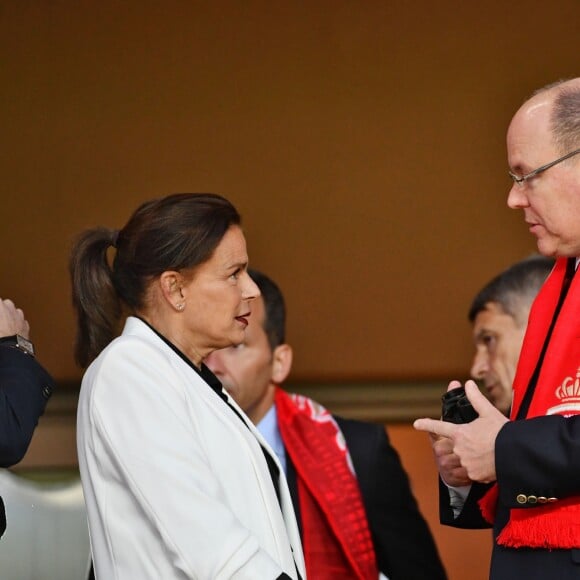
(336, 538)
(552, 525)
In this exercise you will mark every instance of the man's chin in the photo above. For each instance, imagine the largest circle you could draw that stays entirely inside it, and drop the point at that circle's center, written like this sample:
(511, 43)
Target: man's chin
(547, 247)
(501, 404)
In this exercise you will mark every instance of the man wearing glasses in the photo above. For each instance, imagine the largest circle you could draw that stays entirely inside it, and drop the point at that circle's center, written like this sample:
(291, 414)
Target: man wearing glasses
(522, 475)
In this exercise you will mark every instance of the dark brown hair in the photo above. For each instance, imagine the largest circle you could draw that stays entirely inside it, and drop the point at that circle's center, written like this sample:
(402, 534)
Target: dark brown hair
(514, 288)
(177, 232)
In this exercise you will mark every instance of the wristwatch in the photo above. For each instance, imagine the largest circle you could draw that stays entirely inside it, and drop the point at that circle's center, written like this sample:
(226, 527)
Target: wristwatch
(19, 342)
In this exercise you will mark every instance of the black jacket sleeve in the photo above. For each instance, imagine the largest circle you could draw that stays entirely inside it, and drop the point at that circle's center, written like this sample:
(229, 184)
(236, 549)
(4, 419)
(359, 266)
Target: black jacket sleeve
(470, 516)
(403, 543)
(25, 388)
(548, 458)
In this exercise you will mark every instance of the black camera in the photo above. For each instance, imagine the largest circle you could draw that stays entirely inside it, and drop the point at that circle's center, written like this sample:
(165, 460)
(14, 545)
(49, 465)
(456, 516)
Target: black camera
(456, 407)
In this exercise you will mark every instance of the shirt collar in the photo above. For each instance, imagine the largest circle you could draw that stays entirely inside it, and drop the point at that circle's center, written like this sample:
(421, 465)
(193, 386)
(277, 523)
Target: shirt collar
(268, 428)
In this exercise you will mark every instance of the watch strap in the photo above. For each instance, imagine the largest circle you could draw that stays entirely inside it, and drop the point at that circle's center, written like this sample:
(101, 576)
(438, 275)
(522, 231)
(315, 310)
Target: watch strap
(19, 342)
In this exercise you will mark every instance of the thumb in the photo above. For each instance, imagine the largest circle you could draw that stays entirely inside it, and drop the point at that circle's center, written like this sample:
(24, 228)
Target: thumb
(453, 385)
(480, 403)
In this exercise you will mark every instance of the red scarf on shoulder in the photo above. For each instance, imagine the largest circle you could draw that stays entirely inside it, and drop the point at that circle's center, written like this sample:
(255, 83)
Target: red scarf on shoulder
(336, 538)
(557, 524)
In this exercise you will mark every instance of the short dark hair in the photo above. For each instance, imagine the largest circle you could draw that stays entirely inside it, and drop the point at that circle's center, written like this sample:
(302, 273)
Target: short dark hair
(513, 288)
(274, 307)
(176, 232)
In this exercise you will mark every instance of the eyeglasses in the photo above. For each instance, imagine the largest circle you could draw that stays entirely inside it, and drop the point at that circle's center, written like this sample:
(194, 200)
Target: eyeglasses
(521, 180)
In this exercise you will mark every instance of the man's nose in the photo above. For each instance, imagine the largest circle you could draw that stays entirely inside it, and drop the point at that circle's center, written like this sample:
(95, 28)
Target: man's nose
(480, 366)
(517, 198)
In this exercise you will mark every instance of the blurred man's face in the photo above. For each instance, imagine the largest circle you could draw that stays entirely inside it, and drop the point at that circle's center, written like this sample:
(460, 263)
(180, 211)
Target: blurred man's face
(245, 371)
(498, 340)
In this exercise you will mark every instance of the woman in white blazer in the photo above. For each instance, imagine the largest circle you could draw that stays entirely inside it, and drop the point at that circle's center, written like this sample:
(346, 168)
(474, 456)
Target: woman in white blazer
(177, 481)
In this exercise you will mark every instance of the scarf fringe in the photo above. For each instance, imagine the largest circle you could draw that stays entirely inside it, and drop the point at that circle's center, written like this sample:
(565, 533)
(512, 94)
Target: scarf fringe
(526, 529)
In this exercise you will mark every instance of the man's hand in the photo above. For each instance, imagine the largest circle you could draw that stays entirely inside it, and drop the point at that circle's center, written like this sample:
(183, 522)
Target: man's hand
(12, 320)
(450, 468)
(472, 444)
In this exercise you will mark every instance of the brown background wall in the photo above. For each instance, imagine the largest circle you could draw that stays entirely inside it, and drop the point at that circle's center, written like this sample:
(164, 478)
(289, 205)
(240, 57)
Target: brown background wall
(362, 141)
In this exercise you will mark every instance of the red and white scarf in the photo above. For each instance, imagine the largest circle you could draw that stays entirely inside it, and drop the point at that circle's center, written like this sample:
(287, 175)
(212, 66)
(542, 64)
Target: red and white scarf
(551, 525)
(336, 538)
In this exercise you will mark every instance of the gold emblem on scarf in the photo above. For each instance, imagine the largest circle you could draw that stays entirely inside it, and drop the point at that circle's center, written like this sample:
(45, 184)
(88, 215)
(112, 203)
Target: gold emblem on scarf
(569, 393)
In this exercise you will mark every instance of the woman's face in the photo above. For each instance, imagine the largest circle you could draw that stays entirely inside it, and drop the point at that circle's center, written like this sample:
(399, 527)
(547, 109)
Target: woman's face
(217, 299)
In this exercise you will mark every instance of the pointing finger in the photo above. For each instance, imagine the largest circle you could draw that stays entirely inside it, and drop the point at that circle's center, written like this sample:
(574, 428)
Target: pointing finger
(441, 428)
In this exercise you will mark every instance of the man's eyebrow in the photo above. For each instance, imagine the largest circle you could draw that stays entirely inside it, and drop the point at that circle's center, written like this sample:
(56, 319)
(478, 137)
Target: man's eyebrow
(483, 331)
(519, 165)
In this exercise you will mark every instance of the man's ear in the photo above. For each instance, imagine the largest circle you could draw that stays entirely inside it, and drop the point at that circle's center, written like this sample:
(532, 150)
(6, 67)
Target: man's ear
(171, 283)
(281, 363)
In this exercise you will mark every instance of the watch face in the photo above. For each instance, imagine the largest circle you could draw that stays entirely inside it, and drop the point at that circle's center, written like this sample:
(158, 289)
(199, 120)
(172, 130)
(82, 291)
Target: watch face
(24, 344)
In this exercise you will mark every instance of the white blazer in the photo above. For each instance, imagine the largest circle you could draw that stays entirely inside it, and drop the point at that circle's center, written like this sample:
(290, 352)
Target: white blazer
(176, 485)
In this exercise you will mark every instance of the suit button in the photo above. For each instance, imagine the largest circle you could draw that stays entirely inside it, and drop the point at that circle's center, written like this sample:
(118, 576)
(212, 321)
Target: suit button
(542, 499)
(521, 498)
(532, 499)
(552, 499)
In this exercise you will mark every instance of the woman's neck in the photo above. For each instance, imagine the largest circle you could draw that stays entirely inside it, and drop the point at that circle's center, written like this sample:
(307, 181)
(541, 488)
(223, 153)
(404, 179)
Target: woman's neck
(171, 334)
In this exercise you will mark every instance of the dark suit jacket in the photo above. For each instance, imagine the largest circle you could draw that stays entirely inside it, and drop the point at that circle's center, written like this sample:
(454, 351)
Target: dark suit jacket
(547, 463)
(403, 544)
(24, 390)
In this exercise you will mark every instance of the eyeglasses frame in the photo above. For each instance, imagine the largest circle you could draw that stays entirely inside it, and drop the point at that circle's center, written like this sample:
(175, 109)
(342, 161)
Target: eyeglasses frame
(520, 180)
